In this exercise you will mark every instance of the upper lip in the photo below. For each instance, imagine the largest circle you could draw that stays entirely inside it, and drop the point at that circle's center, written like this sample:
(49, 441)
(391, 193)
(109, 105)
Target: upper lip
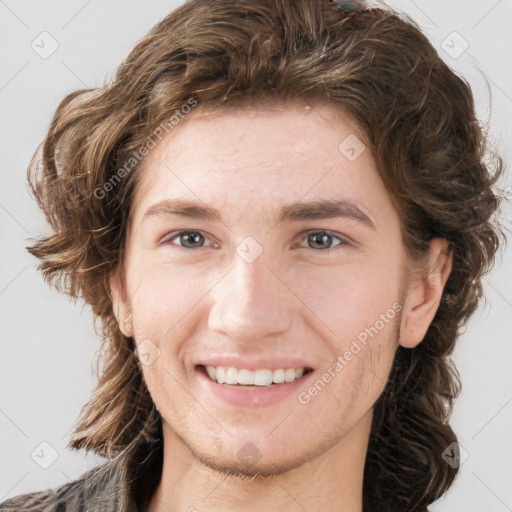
(269, 363)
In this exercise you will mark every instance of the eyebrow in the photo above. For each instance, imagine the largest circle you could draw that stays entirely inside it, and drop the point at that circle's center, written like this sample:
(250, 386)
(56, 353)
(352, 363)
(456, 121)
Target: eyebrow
(296, 211)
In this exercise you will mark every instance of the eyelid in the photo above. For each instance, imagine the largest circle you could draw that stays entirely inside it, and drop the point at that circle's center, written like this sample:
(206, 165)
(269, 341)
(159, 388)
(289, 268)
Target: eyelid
(166, 239)
(344, 240)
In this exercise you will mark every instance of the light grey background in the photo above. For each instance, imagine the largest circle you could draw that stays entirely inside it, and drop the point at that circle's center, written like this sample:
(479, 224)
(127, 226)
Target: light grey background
(48, 343)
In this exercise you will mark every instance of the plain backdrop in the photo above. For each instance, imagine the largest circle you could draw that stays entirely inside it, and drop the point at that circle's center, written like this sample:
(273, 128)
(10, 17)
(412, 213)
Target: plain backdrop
(48, 343)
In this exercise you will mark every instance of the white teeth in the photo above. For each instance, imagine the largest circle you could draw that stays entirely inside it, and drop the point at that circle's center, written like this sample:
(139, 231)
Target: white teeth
(279, 376)
(263, 377)
(219, 374)
(231, 376)
(244, 377)
(289, 375)
(211, 372)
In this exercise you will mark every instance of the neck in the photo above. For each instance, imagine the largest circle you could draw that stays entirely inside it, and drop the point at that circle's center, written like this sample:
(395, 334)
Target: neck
(331, 481)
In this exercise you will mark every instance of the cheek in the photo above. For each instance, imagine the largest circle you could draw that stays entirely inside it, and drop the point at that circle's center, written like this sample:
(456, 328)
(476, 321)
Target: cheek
(351, 299)
(361, 307)
(360, 371)
(162, 297)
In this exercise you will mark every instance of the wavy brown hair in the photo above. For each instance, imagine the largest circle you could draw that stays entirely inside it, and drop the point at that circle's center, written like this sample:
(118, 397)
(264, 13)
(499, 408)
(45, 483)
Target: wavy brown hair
(431, 152)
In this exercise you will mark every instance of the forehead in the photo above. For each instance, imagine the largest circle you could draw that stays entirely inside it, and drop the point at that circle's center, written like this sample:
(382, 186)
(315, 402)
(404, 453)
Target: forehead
(251, 157)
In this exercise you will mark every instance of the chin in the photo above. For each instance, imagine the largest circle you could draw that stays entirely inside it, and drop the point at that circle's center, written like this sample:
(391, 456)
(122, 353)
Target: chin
(248, 469)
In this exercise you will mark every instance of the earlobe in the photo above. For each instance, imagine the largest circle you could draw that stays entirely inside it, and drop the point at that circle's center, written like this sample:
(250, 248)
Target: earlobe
(120, 305)
(424, 294)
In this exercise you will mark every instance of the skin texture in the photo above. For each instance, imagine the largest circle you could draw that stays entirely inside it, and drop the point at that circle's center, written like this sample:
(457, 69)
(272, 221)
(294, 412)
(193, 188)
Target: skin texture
(294, 300)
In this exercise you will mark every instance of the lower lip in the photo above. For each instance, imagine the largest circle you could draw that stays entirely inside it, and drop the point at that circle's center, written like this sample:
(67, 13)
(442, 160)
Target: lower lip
(254, 397)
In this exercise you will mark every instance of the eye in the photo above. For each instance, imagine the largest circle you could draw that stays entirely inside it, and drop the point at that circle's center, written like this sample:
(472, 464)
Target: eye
(188, 239)
(320, 239)
(323, 240)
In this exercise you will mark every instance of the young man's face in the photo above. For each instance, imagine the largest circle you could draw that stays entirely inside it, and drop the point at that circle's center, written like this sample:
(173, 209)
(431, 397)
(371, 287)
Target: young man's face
(248, 290)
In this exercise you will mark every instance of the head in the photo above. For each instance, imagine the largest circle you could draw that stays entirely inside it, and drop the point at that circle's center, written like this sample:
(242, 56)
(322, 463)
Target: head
(245, 108)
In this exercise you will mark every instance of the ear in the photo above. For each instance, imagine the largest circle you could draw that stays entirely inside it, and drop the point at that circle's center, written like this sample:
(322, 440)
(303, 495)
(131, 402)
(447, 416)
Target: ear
(120, 304)
(424, 292)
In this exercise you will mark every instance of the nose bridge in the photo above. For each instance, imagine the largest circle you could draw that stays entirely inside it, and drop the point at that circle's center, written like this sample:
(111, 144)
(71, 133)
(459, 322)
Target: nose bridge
(250, 302)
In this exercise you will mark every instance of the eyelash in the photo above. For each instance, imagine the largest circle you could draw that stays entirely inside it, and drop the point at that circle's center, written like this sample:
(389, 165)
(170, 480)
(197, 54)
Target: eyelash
(343, 240)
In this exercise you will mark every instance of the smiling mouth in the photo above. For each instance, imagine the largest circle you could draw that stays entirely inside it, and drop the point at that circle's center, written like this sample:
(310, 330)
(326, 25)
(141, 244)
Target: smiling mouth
(241, 378)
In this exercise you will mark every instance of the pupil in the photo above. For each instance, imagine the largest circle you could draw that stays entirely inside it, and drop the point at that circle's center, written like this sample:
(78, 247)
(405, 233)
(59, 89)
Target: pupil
(323, 238)
(191, 238)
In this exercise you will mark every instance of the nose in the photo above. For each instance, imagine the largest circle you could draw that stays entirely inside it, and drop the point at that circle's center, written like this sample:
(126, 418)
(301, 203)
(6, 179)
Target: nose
(251, 302)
